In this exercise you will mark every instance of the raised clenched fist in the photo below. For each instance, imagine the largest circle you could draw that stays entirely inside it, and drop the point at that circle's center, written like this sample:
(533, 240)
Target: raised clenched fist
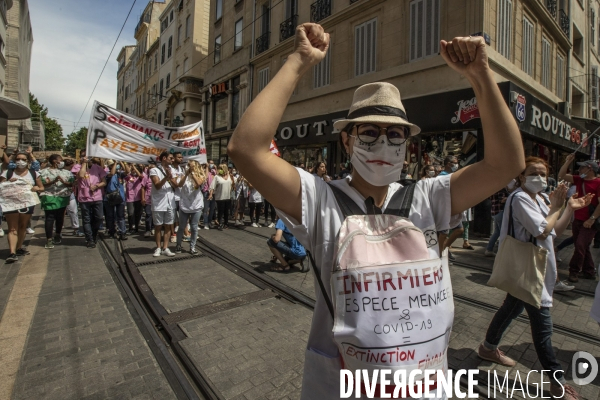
(310, 45)
(466, 55)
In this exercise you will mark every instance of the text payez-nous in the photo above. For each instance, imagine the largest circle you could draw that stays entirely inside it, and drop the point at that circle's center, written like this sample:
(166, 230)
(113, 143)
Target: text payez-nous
(431, 383)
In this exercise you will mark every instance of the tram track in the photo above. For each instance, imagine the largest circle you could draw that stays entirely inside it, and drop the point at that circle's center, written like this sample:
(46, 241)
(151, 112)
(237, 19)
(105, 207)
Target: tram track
(167, 336)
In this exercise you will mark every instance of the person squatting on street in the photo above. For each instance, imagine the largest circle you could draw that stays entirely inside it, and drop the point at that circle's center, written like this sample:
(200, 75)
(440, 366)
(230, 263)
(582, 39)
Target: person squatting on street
(55, 197)
(191, 203)
(163, 203)
(17, 220)
(287, 251)
(374, 134)
(583, 226)
(535, 215)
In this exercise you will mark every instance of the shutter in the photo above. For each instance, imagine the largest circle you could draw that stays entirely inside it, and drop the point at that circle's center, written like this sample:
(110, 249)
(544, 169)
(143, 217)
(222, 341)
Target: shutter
(419, 29)
(436, 27)
(413, 29)
(373, 46)
(428, 25)
(357, 55)
(594, 85)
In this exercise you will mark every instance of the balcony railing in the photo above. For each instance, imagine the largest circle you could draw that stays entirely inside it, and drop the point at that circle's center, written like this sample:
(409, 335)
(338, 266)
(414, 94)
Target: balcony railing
(288, 28)
(551, 6)
(143, 19)
(262, 42)
(565, 22)
(319, 10)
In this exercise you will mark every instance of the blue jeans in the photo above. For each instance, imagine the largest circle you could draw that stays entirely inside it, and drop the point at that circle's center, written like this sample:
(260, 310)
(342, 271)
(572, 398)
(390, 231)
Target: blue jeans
(210, 208)
(497, 226)
(284, 249)
(194, 219)
(149, 223)
(541, 332)
(115, 214)
(91, 213)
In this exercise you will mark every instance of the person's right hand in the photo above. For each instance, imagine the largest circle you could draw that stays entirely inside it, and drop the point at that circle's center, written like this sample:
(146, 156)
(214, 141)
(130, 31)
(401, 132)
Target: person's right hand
(310, 45)
(143, 202)
(569, 158)
(558, 196)
(13, 180)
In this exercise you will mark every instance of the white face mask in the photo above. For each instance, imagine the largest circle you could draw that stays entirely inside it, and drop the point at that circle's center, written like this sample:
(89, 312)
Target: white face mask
(535, 184)
(431, 173)
(61, 165)
(21, 164)
(582, 176)
(378, 163)
(454, 167)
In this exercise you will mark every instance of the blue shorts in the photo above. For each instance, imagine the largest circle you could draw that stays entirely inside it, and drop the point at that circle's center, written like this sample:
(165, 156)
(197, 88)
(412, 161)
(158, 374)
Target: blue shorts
(284, 249)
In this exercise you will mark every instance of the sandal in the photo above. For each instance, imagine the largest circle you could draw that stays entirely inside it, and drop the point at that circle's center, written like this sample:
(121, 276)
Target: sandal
(280, 268)
(469, 247)
(273, 260)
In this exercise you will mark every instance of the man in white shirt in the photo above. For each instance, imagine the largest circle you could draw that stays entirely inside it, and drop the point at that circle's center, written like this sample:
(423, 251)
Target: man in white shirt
(163, 202)
(178, 174)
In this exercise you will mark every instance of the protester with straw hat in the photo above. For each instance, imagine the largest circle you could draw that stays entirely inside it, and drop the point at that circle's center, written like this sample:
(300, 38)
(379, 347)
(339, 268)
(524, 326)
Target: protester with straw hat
(307, 205)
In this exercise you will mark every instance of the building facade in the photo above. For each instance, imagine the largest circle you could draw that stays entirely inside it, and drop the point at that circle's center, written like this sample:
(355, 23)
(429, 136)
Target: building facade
(16, 52)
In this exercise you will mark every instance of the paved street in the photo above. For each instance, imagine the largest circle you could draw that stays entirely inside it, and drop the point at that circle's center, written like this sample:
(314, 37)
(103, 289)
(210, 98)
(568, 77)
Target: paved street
(82, 339)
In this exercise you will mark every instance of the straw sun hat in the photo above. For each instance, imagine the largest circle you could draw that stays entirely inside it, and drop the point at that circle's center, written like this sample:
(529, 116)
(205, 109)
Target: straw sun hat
(378, 103)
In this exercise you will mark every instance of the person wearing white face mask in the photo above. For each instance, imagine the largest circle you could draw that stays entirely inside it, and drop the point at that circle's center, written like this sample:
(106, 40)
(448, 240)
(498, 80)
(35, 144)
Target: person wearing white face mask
(450, 165)
(375, 135)
(536, 217)
(584, 227)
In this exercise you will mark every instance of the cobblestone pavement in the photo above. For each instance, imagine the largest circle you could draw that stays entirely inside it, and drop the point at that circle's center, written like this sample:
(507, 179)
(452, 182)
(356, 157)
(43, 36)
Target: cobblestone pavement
(83, 342)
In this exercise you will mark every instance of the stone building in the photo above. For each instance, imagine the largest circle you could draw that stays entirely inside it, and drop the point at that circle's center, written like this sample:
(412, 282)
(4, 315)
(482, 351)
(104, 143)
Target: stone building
(15, 49)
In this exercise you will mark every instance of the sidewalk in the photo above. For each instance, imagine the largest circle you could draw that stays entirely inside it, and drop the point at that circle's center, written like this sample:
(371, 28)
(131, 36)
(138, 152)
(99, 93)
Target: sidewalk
(65, 330)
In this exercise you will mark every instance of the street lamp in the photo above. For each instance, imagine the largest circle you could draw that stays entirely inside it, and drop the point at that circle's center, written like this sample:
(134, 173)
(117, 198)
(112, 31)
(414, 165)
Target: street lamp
(177, 122)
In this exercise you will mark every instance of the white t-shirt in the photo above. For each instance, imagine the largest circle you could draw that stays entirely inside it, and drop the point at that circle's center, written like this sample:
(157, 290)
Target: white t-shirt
(221, 187)
(191, 199)
(530, 220)
(318, 231)
(27, 177)
(163, 199)
(255, 197)
(178, 173)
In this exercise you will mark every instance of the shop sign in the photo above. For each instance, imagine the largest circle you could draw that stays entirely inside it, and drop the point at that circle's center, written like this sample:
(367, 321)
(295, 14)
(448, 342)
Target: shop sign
(467, 111)
(218, 88)
(520, 108)
(318, 129)
(550, 123)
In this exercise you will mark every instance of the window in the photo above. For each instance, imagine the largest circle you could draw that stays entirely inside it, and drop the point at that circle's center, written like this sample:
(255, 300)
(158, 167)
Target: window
(424, 28)
(218, 49)
(170, 47)
(219, 9)
(159, 119)
(220, 113)
(126, 92)
(263, 79)
(168, 81)
(186, 65)
(155, 60)
(235, 102)
(164, 24)
(365, 47)
(239, 26)
(594, 85)
(528, 46)
(188, 27)
(265, 20)
(593, 26)
(149, 66)
(160, 88)
(171, 16)
(179, 36)
(560, 76)
(546, 64)
(321, 71)
(127, 109)
(162, 52)
(504, 27)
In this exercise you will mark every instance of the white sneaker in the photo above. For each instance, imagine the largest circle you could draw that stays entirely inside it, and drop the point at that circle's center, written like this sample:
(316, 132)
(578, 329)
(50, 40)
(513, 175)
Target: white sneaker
(271, 225)
(148, 234)
(1, 232)
(563, 287)
(237, 222)
(157, 252)
(152, 232)
(30, 231)
(254, 225)
(206, 227)
(490, 253)
(168, 253)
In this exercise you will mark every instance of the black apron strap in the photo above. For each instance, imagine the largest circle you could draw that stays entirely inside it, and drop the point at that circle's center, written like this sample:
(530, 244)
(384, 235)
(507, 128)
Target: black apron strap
(346, 204)
(401, 201)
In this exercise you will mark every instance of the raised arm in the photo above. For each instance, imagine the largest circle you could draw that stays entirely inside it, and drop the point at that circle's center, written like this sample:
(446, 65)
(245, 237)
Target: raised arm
(562, 174)
(249, 144)
(83, 170)
(504, 155)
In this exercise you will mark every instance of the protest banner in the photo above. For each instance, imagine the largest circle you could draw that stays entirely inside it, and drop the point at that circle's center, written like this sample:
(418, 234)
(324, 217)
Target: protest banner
(123, 137)
(17, 195)
(43, 155)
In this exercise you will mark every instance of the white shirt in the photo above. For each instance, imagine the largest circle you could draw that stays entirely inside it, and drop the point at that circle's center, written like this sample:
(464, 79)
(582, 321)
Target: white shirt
(163, 199)
(178, 173)
(318, 231)
(27, 177)
(255, 197)
(191, 199)
(530, 220)
(221, 188)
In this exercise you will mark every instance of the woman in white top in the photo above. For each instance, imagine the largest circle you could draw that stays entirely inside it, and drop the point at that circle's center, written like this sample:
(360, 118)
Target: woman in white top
(191, 203)
(321, 171)
(375, 135)
(220, 189)
(536, 217)
(255, 203)
(18, 218)
(241, 195)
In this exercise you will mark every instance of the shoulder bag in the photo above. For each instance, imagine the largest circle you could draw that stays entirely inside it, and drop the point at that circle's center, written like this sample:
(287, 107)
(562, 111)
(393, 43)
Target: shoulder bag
(520, 267)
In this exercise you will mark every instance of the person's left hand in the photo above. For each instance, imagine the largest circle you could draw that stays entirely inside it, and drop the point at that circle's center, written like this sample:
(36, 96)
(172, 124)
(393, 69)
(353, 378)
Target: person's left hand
(466, 55)
(578, 203)
(558, 196)
(588, 223)
(93, 188)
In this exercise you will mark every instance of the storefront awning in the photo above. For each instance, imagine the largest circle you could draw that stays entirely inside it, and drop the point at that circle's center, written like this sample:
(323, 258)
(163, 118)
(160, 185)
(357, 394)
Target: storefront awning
(13, 109)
